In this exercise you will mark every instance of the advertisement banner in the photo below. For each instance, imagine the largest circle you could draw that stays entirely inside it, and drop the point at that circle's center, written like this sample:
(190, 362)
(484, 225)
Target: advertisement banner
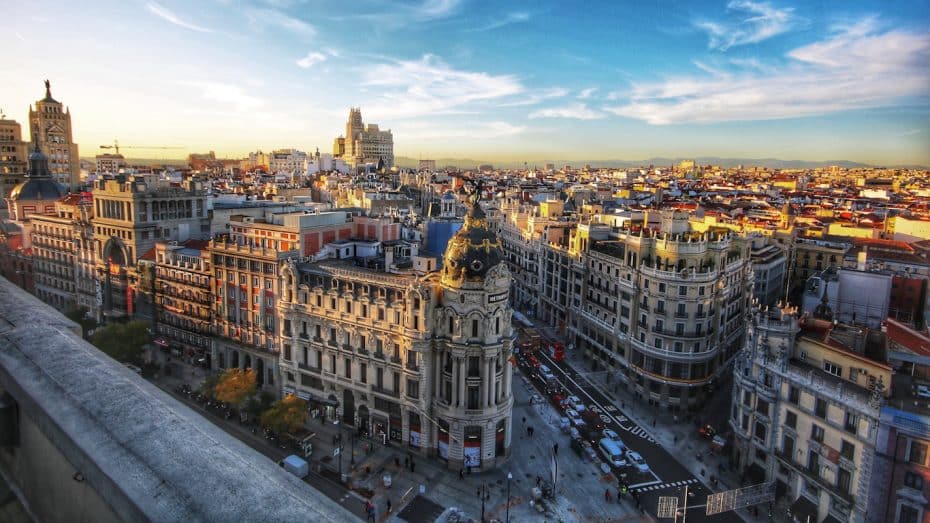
(473, 456)
(443, 449)
(414, 439)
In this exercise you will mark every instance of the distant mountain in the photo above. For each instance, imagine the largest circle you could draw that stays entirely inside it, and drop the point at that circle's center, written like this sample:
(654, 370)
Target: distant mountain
(774, 163)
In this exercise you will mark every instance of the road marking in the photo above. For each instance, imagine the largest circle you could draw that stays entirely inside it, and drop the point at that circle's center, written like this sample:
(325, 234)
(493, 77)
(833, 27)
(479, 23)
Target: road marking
(636, 430)
(658, 485)
(598, 405)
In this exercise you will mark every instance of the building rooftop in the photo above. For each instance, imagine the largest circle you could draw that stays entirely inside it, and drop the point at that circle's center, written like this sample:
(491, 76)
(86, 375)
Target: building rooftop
(149, 456)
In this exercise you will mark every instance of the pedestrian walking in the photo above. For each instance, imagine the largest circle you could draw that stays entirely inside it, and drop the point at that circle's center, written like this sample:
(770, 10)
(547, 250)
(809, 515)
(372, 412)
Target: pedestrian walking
(530, 431)
(607, 495)
(389, 505)
(461, 473)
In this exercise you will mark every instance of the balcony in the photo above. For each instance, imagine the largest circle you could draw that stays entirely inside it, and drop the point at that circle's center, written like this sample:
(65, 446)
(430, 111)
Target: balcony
(681, 314)
(385, 392)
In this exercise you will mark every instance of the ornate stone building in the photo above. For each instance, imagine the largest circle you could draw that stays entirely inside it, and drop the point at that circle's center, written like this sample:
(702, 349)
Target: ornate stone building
(130, 216)
(364, 143)
(62, 249)
(13, 153)
(807, 395)
(50, 127)
(183, 298)
(419, 357)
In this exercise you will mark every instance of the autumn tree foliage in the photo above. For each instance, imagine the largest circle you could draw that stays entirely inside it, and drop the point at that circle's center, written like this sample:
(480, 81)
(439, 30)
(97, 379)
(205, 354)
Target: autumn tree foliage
(234, 386)
(286, 416)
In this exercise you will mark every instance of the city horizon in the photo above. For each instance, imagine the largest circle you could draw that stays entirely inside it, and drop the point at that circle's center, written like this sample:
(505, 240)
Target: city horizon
(758, 80)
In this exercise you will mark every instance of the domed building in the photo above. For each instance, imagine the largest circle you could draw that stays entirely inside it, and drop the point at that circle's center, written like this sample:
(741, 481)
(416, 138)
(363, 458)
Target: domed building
(474, 343)
(38, 193)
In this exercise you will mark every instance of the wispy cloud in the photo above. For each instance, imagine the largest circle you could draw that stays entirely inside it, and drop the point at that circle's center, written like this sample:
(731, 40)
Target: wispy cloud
(279, 19)
(168, 15)
(311, 59)
(752, 22)
(432, 9)
(910, 132)
(858, 67)
(426, 131)
(586, 93)
(229, 95)
(511, 18)
(535, 96)
(577, 111)
(430, 86)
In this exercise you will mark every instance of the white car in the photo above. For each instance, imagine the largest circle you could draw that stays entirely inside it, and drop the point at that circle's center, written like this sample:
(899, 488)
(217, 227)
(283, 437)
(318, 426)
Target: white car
(575, 403)
(610, 434)
(637, 461)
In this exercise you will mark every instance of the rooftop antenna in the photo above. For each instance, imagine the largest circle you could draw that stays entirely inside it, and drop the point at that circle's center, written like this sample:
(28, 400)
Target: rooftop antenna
(2, 114)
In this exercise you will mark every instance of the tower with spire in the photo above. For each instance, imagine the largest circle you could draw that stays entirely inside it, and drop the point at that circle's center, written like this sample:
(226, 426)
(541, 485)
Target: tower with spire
(50, 126)
(38, 193)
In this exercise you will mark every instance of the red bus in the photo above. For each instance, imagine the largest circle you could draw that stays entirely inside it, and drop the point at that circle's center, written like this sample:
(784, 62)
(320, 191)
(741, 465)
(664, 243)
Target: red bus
(556, 351)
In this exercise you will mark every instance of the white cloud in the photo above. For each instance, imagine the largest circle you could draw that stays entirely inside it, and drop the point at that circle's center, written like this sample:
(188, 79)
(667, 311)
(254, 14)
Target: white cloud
(228, 94)
(511, 18)
(857, 68)
(311, 59)
(576, 111)
(429, 86)
(586, 93)
(168, 15)
(432, 9)
(536, 96)
(757, 21)
(281, 20)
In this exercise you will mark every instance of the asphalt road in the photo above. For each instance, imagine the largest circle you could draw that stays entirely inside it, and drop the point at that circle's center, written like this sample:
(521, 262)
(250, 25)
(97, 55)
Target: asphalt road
(667, 476)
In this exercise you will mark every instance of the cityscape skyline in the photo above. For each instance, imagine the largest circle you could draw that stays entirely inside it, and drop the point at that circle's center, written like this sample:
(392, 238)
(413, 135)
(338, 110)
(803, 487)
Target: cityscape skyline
(503, 82)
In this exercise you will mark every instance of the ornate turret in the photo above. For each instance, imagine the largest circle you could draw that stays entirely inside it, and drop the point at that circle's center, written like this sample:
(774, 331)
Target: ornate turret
(473, 251)
(39, 184)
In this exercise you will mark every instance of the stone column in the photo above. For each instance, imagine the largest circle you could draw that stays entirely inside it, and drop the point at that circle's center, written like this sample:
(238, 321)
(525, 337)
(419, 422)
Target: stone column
(461, 384)
(437, 374)
(455, 381)
(489, 383)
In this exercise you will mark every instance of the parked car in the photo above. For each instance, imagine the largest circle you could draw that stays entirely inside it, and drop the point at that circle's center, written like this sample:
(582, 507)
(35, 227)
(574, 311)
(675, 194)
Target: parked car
(565, 424)
(532, 361)
(613, 436)
(575, 403)
(593, 420)
(637, 461)
(557, 399)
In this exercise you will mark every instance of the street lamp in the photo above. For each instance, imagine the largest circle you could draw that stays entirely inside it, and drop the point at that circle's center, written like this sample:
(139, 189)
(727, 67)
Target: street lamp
(509, 477)
(484, 494)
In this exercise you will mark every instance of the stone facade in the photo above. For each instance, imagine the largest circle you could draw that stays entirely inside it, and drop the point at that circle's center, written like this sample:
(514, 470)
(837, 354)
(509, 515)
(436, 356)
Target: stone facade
(50, 128)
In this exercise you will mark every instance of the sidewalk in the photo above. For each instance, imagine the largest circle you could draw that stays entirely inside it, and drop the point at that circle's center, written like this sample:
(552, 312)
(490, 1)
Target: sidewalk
(676, 433)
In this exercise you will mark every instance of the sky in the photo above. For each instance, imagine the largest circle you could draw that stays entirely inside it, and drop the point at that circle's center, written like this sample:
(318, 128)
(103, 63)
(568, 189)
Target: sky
(485, 80)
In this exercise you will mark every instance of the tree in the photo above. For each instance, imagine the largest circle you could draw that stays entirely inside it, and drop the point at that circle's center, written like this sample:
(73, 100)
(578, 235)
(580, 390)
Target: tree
(286, 416)
(123, 341)
(234, 386)
(79, 315)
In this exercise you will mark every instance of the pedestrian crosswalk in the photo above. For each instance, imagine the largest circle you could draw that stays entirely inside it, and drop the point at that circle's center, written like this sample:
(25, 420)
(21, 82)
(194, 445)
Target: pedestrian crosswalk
(660, 486)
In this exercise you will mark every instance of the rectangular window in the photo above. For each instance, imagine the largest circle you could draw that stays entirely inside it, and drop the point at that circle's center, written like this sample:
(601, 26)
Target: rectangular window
(682, 290)
(363, 372)
(847, 450)
(332, 363)
(794, 395)
(918, 453)
(762, 407)
(908, 514)
(474, 328)
(914, 481)
(832, 368)
(791, 419)
(348, 368)
(395, 378)
(817, 433)
(820, 408)
(287, 352)
(379, 378)
(413, 388)
(787, 447)
(701, 290)
(851, 424)
(661, 287)
(813, 463)
(843, 480)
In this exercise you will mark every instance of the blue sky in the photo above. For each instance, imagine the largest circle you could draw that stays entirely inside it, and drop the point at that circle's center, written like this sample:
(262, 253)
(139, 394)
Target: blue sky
(485, 80)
